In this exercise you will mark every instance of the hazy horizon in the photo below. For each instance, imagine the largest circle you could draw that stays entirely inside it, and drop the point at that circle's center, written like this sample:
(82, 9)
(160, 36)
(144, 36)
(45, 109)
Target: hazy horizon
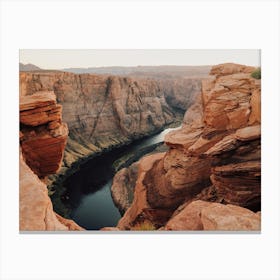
(84, 58)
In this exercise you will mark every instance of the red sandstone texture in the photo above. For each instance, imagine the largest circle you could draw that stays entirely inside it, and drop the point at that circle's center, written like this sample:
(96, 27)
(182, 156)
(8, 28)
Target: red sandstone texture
(43, 135)
(36, 211)
(214, 157)
(43, 139)
(202, 215)
(123, 187)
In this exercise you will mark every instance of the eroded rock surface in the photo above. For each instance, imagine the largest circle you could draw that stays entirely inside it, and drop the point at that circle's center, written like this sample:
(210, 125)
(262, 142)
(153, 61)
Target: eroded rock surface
(123, 187)
(43, 135)
(39, 108)
(104, 111)
(215, 157)
(140, 206)
(180, 93)
(35, 207)
(202, 215)
(43, 139)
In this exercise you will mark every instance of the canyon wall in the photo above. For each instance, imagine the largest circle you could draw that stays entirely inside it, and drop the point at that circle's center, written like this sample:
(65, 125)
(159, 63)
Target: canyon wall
(104, 111)
(209, 179)
(180, 93)
(43, 137)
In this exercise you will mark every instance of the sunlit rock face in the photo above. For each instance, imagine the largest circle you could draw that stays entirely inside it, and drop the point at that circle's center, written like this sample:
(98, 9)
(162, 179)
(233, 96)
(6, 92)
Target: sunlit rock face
(43, 135)
(43, 138)
(202, 215)
(123, 187)
(35, 207)
(215, 157)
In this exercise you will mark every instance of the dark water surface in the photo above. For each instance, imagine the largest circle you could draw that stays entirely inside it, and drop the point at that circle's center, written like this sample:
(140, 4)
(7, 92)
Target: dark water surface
(89, 189)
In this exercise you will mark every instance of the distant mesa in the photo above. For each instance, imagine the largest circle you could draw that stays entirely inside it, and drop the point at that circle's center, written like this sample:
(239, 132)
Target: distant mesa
(28, 67)
(156, 72)
(166, 71)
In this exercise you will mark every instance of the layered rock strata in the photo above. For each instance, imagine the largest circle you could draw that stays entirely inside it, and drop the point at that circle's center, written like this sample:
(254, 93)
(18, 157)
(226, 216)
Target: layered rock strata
(35, 207)
(107, 111)
(43, 139)
(180, 93)
(123, 187)
(215, 156)
(44, 136)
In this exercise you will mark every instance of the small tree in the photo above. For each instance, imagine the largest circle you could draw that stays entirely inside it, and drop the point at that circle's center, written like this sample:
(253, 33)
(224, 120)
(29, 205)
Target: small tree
(257, 73)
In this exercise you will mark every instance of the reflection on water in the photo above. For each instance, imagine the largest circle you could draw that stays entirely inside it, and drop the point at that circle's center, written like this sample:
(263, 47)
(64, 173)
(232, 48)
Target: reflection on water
(89, 189)
(97, 209)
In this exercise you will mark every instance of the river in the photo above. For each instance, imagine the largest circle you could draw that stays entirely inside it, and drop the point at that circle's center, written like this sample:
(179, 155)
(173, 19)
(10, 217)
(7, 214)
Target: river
(89, 189)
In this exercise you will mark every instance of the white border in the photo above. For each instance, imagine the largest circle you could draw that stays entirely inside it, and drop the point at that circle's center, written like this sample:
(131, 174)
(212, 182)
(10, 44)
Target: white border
(156, 24)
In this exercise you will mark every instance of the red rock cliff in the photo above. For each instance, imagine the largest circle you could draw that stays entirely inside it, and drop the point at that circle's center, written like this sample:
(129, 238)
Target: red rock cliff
(44, 135)
(214, 157)
(43, 138)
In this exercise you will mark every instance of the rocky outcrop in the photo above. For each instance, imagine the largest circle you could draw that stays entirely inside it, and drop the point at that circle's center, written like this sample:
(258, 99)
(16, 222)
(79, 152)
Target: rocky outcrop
(215, 156)
(140, 208)
(202, 215)
(39, 108)
(123, 187)
(35, 207)
(42, 138)
(107, 111)
(43, 135)
(230, 68)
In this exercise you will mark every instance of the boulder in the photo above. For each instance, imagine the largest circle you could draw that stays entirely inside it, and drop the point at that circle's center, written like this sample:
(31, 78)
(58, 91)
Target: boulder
(202, 215)
(229, 218)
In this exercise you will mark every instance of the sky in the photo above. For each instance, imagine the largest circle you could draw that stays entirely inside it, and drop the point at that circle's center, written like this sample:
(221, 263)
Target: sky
(83, 58)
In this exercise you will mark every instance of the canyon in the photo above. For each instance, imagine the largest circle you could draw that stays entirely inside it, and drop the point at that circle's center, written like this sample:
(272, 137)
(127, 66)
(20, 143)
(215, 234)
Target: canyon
(104, 111)
(207, 177)
(99, 112)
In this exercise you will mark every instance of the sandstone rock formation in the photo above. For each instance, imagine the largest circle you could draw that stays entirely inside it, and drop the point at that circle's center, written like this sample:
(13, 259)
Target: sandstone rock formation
(42, 138)
(44, 135)
(107, 111)
(140, 207)
(39, 108)
(36, 211)
(202, 215)
(215, 156)
(123, 187)
(230, 68)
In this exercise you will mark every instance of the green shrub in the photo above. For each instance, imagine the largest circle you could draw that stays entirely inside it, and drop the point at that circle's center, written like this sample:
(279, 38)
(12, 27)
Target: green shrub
(256, 74)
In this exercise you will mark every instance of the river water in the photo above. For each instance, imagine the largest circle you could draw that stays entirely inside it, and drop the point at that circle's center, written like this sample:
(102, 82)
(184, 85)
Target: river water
(89, 189)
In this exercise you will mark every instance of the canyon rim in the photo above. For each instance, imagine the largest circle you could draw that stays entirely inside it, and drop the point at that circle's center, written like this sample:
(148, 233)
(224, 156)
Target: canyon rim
(140, 148)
